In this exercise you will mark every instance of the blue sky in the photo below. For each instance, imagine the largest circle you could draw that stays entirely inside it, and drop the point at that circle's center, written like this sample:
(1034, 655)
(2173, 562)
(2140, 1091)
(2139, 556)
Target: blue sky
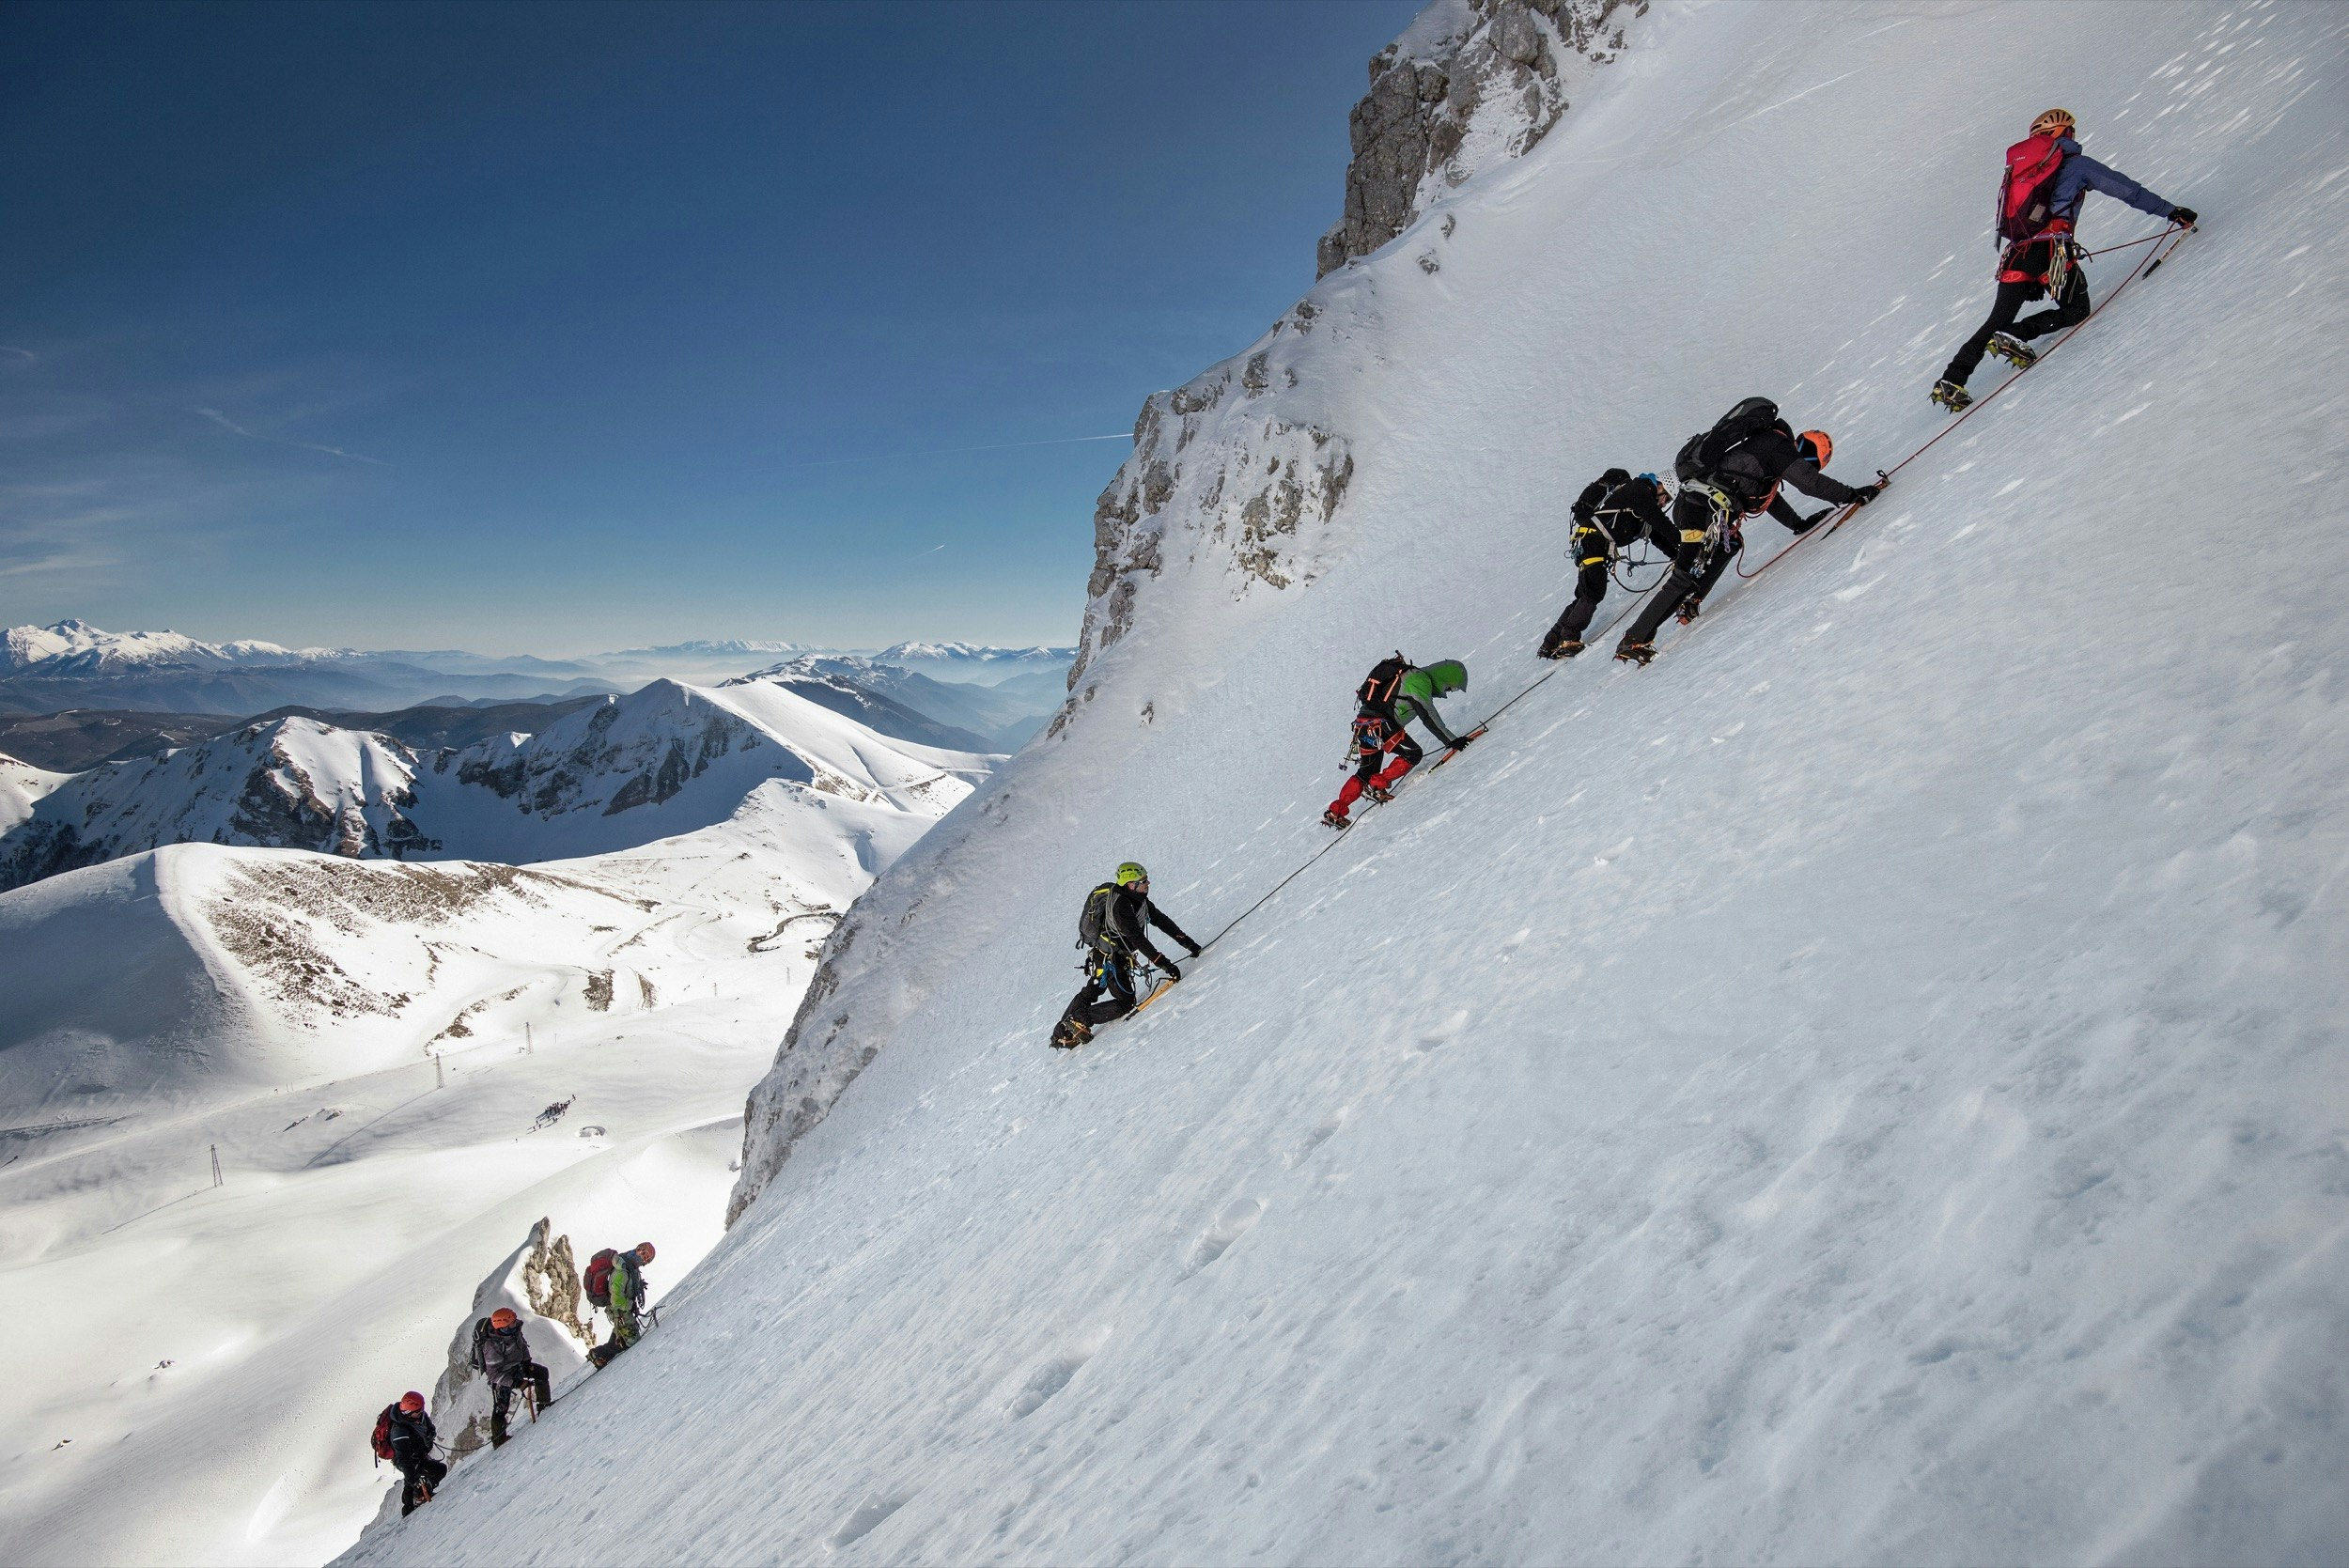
(560, 327)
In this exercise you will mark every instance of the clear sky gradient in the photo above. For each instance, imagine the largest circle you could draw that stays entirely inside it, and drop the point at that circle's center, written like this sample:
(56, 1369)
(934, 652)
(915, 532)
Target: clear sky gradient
(565, 327)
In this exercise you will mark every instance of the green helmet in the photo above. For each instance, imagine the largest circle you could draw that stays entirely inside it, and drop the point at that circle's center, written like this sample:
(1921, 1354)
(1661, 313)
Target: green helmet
(1132, 871)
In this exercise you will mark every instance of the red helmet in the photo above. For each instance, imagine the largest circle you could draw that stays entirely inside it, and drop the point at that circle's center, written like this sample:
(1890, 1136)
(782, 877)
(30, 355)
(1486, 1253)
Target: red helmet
(412, 1400)
(644, 1251)
(1818, 443)
(503, 1318)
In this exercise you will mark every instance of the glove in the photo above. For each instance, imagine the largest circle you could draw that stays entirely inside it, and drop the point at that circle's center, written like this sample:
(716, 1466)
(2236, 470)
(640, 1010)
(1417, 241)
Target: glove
(1172, 972)
(1462, 743)
(1867, 493)
(2185, 216)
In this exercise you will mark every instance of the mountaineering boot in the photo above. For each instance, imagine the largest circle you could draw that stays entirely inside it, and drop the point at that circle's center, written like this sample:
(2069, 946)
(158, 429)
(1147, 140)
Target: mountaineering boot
(1636, 653)
(1952, 396)
(1566, 649)
(2013, 349)
(1690, 608)
(1381, 796)
(1332, 819)
(498, 1439)
(1071, 1032)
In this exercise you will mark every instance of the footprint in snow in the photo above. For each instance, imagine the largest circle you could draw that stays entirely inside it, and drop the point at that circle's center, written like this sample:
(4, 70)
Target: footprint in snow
(869, 1515)
(1055, 1374)
(1231, 1224)
(1315, 1138)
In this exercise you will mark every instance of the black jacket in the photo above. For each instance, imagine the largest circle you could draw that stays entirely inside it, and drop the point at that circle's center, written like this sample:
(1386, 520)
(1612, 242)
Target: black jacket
(502, 1355)
(411, 1436)
(1757, 465)
(1116, 921)
(1620, 506)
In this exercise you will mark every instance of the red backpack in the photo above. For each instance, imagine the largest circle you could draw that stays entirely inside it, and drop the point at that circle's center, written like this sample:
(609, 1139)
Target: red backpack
(383, 1432)
(2025, 191)
(598, 1279)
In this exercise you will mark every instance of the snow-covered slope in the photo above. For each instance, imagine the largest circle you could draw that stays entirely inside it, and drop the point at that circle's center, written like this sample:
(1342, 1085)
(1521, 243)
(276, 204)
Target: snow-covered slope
(667, 760)
(1001, 716)
(197, 1366)
(1868, 1088)
(21, 785)
(870, 693)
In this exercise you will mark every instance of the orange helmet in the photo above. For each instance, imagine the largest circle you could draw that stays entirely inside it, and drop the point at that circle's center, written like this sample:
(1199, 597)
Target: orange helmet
(503, 1318)
(412, 1400)
(1818, 443)
(2054, 122)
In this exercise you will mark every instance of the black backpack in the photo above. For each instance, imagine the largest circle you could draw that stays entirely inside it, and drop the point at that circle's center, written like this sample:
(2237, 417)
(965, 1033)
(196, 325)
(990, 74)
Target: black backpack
(480, 1330)
(1717, 458)
(1598, 492)
(1378, 686)
(1090, 923)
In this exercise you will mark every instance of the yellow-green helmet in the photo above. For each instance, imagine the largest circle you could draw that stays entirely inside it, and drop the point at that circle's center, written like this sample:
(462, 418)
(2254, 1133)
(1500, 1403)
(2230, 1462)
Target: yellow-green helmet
(1132, 871)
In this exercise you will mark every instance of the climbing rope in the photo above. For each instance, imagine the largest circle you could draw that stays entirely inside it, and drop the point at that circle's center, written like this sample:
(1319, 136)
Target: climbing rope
(2145, 265)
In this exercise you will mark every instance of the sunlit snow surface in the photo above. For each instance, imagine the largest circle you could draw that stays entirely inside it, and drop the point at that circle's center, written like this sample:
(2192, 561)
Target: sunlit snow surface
(197, 1366)
(1866, 1089)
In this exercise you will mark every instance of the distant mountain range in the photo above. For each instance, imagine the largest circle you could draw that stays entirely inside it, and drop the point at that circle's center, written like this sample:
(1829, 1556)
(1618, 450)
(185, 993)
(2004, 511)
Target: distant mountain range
(73, 695)
(610, 774)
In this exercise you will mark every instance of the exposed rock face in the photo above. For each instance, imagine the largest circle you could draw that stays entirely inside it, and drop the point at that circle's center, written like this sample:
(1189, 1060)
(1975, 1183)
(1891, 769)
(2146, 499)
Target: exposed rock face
(551, 1278)
(1470, 83)
(1232, 469)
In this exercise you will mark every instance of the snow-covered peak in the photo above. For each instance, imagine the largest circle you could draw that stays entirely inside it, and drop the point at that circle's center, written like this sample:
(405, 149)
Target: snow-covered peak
(666, 760)
(21, 785)
(78, 648)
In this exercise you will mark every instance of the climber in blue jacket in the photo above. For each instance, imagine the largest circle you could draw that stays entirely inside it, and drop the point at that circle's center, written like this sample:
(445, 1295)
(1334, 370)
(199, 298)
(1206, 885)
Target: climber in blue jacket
(2037, 215)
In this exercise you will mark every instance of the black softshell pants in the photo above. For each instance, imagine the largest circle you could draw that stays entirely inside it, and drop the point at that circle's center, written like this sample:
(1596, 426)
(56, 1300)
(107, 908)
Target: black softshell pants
(502, 1394)
(1594, 554)
(418, 1476)
(1112, 972)
(2069, 311)
(1696, 569)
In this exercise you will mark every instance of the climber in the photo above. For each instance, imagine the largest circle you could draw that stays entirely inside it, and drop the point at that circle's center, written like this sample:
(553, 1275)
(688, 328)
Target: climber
(404, 1436)
(1113, 929)
(1390, 696)
(502, 1355)
(1727, 474)
(616, 1282)
(1612, 511)
(2048, 178)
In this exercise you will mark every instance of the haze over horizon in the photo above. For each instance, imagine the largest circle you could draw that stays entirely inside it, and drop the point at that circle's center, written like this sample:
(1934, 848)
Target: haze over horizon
(560, 331)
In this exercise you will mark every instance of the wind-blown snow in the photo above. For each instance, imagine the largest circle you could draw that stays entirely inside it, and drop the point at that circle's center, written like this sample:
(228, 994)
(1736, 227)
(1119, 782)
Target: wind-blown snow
(1868, 1088)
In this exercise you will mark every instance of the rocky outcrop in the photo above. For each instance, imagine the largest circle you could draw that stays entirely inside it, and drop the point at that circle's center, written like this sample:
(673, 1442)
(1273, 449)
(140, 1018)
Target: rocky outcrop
(1232, 472)
(461, 1399)
(1471, 83)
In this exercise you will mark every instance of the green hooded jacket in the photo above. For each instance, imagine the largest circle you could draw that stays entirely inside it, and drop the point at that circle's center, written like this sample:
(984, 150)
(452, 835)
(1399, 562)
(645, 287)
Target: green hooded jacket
(1415, 698)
